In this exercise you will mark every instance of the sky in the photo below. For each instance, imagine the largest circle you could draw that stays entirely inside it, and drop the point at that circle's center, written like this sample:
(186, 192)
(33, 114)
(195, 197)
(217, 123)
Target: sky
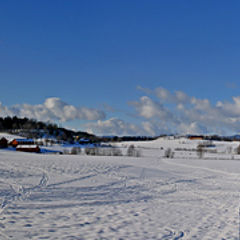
(129, 67)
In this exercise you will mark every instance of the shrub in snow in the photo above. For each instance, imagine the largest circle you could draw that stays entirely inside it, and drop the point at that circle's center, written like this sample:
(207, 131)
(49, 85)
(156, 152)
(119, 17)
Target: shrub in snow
(169, 153)
(103, 151)
(133, 152)
(116, 152)
(130, 151)
(65, 151)
(238, 149)
(229, 150)
(76, 150)
(91, 151)
(106, 152)
(87, 151)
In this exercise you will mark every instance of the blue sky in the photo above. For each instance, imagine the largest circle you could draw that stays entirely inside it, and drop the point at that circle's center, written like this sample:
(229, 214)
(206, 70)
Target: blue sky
(99, 59)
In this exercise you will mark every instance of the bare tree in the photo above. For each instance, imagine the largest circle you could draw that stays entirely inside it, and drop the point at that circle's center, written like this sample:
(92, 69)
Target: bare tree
(238, 149)
(76, 150)
(200, 150)
(133, 152)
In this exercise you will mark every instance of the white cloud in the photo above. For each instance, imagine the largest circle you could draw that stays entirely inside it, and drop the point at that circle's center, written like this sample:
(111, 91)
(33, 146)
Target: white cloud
(181, 97)
(52, 109)
(153, 128)
(186, 114)
(164, 95)
(230, 109)
(149, 128)
(191, 128)
(114, 126)
(149, 109)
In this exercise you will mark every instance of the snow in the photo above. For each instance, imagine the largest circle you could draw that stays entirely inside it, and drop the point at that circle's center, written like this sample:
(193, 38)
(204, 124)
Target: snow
(96, 197)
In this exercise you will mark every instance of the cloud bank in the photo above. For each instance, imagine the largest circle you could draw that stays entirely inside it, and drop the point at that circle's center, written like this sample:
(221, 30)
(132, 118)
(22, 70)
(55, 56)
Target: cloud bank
(113, 126)
(51, 110)
(188, 114)
(158, 111)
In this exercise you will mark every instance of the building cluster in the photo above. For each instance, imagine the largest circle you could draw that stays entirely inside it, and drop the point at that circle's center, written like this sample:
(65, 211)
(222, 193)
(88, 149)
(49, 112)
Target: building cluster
(20, 144)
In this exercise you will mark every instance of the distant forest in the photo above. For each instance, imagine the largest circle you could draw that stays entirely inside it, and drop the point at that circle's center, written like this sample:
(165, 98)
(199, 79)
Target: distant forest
(31, 128)
(12, 123)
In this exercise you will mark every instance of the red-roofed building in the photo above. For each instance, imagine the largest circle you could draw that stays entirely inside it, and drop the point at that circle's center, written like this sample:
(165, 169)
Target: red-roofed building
(28, 148)
(21, 141)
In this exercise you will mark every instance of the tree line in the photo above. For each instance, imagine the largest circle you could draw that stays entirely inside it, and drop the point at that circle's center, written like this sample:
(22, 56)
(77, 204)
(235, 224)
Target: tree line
(32, 128)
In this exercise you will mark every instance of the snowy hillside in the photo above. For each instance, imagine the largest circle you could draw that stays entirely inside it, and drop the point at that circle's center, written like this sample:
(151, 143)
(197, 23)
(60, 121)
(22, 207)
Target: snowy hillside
(97, 197)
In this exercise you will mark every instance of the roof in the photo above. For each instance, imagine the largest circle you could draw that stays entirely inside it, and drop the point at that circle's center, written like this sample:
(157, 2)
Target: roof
(27, 146)
(23, 140)
(3, 138)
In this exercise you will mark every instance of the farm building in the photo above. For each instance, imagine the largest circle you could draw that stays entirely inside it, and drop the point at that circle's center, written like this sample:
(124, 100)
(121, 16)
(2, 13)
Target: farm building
(3, 142)
(28, 148)
(196, 137)
(21, 141)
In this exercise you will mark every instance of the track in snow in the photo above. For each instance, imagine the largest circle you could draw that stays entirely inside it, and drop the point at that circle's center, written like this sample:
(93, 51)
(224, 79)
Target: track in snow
(69, 197)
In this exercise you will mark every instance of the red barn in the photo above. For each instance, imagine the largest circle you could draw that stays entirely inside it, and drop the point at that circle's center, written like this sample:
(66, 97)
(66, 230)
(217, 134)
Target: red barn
(196, 137)
(28, 148)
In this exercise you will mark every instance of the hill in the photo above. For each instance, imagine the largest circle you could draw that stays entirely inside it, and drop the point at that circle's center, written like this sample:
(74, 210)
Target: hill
(31, 128)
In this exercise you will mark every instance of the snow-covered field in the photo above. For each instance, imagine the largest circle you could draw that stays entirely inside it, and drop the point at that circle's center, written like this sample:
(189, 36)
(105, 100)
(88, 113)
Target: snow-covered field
(95, 197)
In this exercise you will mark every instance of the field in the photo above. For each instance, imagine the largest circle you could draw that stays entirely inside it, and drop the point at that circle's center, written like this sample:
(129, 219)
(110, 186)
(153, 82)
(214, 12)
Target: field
(106, 197)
